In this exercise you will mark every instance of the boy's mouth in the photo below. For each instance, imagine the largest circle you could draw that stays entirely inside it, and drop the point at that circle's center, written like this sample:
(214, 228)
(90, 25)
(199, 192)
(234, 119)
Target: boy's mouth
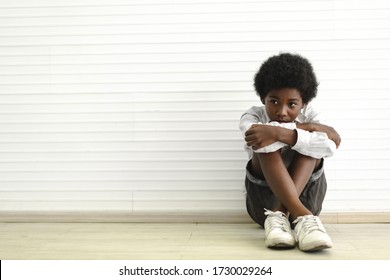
(281, 121)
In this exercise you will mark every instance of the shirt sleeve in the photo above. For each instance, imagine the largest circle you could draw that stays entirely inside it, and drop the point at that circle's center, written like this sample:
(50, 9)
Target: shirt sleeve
(314, 144)
(249, 118)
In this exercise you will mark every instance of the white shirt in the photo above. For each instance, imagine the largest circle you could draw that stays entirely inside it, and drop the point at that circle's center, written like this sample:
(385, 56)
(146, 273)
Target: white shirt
(312, 144)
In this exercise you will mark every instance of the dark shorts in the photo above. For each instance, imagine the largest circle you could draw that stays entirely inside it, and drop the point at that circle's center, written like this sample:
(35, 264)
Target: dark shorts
(260, 196)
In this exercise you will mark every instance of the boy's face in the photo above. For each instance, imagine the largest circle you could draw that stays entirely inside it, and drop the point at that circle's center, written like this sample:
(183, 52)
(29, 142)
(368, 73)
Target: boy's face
(283, 105)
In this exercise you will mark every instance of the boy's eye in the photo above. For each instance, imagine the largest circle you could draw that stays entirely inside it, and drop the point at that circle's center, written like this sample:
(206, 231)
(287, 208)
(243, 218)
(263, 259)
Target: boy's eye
(274, 101)
(292, 105)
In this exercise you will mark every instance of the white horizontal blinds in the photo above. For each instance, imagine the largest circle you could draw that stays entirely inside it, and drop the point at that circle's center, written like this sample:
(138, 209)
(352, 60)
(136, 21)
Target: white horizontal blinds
(354, 95)
(134, 105)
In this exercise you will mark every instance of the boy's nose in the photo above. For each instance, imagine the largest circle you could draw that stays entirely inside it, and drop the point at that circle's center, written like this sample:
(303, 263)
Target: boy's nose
(281, 112)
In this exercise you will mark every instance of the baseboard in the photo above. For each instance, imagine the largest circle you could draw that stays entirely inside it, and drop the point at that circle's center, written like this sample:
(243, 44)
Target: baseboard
(355, 217)
(122, 217)
(172, 217)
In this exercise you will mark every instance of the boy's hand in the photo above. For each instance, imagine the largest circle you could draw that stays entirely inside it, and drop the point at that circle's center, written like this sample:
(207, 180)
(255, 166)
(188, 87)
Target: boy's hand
(259, 136)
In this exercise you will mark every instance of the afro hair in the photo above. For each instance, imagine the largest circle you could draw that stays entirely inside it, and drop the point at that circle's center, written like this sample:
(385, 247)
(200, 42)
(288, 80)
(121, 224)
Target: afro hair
(286, 71)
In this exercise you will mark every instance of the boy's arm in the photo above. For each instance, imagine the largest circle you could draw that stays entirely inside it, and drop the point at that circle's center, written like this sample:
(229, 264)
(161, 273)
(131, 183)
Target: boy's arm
(314, 144)
(308, 139)
(251, 118)
(316, 140)
(318, 127)
(270, 137)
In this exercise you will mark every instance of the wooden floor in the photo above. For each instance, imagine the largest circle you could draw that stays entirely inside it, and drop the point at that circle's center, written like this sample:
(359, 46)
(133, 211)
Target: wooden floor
(178, 241)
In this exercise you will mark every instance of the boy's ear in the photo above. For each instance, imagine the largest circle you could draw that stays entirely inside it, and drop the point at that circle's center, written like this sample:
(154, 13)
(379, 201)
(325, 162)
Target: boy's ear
(262, 100)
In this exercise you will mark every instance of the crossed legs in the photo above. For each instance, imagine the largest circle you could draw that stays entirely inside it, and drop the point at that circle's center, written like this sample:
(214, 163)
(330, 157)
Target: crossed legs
(286, 183)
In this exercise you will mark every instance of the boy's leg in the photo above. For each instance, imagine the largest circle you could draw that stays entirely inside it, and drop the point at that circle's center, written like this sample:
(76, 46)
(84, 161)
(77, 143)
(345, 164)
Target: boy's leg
(288, 185)
(299, 171)
(301, 168)
(258, 196)
(273, 169)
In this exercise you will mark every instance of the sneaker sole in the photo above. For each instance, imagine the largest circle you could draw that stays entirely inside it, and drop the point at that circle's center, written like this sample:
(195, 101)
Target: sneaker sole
(315, 246)
(279, 244)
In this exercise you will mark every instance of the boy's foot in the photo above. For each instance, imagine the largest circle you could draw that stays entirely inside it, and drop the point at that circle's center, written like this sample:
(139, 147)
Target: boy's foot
(278, 232)
(311, 234)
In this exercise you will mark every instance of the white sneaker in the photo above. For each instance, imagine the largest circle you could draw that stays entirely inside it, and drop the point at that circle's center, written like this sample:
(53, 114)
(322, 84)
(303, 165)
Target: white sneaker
(278, 233)
(311, 234)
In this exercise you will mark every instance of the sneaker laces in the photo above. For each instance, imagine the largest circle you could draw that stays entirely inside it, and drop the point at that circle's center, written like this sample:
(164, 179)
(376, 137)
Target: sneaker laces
(309, 223)
(277, 220)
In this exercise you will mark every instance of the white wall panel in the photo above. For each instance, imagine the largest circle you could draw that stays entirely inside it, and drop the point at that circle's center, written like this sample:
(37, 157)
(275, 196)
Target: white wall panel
(133, 105)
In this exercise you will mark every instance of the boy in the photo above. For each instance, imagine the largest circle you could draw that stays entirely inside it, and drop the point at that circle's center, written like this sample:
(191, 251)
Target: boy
(286, 145)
